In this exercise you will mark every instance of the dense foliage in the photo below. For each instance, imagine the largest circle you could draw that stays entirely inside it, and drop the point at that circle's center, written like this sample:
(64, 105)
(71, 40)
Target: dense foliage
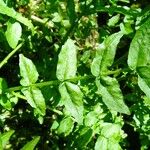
(75, 74)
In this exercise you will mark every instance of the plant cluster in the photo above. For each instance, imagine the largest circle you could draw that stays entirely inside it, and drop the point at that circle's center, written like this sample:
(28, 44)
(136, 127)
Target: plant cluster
(74, 74)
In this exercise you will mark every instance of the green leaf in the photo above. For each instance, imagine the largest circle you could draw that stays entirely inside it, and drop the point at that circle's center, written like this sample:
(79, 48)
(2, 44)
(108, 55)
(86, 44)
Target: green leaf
(114, 20)
(105, 144)
(35, 99)
(1, 146)
(72, 98)
(111, 94)
(91, 118)
(144, 79)
(139, 52)
(110, 130)
(105, 54)
(71, 10)
(84, 137)
(13, 14)
(13, 33)
(66, 126)
(3, 85)
(67, 61)
(109, 138)
(28, 71)
(5, 102)
(31, 145)
(6, 136)
(101, 143)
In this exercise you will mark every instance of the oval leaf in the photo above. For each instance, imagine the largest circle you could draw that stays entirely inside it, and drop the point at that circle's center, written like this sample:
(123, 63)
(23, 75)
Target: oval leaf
(111, 95)
(35, 99)
(72, 98)
(28, 71)
(13, 33)
(67, 61)
(139, 52)
(66, 126)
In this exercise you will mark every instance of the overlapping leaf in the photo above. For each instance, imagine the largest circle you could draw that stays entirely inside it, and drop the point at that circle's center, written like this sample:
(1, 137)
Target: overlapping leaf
(105, 54)
(4, 9)
(67, 61)
(72, 98)
(111, 94)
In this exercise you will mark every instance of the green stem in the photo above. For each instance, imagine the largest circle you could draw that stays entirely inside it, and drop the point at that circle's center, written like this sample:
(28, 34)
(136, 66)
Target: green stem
(48, 83)
(19, 95)
(10, 55)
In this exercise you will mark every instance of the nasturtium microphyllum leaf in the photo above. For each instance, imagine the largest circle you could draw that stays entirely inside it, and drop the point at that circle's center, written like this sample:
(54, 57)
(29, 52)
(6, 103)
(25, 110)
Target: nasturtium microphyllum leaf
(3, 85)
(109, 137)
(110, 130)
(13, 33)
(67, 61)
(28, 71)
(35, 99)
(108, 89)
(84, 137)
(139, 52)
(144, 79)
(101, 143)
(66, 126)
(91, 118)
(5, 137)
(104, 143)
(31, 145)
(105, 54)
(5, 102)
(72, 98)
(4, 9)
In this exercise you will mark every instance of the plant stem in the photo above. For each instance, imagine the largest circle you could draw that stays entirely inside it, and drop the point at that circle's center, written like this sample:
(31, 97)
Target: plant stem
(10, 55)
(49, 83)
